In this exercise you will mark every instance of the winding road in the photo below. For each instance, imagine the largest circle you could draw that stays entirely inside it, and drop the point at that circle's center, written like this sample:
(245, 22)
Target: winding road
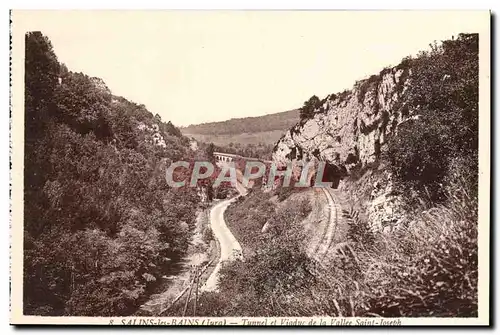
(230, 248)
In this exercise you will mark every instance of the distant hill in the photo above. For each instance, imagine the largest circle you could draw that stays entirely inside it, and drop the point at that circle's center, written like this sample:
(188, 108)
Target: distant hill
(266, 129)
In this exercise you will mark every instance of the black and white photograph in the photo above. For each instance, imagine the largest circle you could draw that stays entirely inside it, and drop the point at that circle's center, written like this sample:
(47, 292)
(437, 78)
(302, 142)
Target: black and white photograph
(250, 168)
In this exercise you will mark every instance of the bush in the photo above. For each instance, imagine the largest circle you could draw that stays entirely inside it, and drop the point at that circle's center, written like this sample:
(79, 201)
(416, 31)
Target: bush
(365, 85)
(443, 96)
(429, 268)
(100, 221)
(208, 235)
(284, 192)
(221, 192)
(307, 111)
(278, 265)
(359, 230)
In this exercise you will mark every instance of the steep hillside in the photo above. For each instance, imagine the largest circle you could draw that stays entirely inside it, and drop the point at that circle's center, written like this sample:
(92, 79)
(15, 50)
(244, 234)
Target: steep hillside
(101, 225)
(266, 129)
(349, 127)
(404, 143)
(417, 119)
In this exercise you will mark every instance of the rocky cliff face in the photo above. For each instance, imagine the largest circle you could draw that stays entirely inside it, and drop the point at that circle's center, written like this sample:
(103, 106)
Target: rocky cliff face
(349, 128)
(154, 135)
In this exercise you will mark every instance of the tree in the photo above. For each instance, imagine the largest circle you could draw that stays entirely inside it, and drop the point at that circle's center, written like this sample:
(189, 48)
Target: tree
(442, 144)
(307, 111)
(100, 220)
(209, 151)
(41, 79)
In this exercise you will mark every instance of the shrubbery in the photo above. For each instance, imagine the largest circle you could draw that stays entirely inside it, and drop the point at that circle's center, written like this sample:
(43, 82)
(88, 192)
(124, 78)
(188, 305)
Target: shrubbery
(427, 267)
(441, 144)
(100, 222)
(307, 111)
(277, 265)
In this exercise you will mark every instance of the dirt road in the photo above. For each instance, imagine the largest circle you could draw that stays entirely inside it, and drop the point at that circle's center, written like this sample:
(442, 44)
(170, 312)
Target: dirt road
(230, 248)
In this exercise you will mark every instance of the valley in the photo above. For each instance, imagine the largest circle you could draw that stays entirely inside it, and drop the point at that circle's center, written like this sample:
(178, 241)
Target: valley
(105, 234)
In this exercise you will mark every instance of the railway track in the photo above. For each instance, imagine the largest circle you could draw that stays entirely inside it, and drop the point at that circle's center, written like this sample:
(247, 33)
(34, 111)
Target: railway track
(321, 249)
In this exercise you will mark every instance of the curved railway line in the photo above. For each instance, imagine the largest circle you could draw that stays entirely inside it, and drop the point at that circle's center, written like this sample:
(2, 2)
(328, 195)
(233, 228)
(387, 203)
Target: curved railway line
(322, 247)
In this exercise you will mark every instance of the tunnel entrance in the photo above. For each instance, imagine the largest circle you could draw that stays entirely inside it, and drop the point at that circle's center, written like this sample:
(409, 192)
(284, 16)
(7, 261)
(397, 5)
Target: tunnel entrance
(332, 174)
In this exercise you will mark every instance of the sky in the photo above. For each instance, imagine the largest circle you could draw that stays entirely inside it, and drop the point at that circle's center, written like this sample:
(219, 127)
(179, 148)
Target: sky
(200, 66)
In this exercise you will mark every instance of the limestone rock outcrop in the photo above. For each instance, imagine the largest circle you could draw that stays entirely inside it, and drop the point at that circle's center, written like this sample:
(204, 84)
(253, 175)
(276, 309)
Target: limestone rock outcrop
(349, 131)
(349, 128)
(154, 135)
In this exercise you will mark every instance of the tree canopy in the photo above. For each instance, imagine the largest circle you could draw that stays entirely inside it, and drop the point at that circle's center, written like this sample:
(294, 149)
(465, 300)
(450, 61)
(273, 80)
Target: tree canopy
(101, 225)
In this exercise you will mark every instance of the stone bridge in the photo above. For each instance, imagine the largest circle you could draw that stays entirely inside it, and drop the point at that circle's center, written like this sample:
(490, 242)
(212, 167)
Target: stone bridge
(225, 157)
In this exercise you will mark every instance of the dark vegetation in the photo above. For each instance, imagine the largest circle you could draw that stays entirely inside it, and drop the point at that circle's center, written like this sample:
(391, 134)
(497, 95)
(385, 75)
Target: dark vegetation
(371, 83)
(247, 217)
(438, 153)
(427, 269)
(274, 261)
(428, 266)
(250, 137)
(257, 139)
(436, 148)
(307, 111)
(315, 105)
(100, 222)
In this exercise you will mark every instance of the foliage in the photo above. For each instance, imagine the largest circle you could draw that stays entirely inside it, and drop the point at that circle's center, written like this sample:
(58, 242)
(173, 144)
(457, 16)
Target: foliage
(443, 137)
(248, 216)
(358, 230)
(284, 193)
(307, 111)
(435, 270)
(209, 150)
(365, 85)
(260, 138)
(427, 269)
(101, 224)
(275, 262)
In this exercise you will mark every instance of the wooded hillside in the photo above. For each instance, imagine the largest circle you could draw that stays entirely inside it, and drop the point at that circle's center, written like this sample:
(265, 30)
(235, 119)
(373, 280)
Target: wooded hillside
(100, 224)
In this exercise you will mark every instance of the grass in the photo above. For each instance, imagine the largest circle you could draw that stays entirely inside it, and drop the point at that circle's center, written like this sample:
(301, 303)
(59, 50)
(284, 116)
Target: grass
(273, 259)
(276, 121)
(247, 216)
(428, 268)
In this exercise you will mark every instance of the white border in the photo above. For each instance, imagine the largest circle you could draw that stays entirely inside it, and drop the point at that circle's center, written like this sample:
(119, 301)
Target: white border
(214, 5)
